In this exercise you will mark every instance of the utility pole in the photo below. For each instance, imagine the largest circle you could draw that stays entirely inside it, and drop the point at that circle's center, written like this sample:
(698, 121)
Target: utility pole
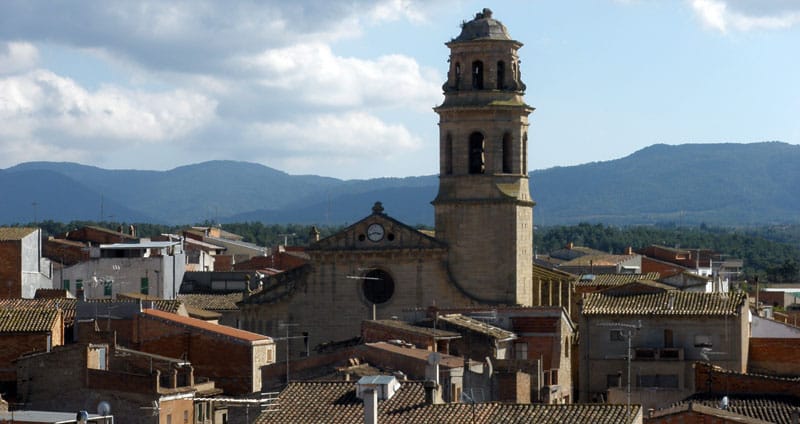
(629, 329)
(286, 325)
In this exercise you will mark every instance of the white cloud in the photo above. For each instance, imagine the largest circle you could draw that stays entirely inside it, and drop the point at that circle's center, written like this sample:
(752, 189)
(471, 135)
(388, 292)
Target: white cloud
(314, 73)
(193, 72)
(43, 107)
(17, 56)
(392, 10)
(746, 15)
(196, 35)
(343, 138)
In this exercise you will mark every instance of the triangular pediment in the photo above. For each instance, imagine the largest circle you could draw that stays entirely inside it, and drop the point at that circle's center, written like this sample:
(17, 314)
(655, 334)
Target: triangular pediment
(377, 231)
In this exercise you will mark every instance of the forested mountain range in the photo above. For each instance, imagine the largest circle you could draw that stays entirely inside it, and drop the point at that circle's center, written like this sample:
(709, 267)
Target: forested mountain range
(716, 184)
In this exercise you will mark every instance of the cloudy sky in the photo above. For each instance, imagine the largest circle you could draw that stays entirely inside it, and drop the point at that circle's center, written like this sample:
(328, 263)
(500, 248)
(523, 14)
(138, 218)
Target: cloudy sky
(345, 88)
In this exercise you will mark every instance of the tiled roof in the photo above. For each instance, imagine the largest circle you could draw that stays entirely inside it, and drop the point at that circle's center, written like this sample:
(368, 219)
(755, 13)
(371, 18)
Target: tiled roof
(615, 279)
(66, 242)
(769, 408)
(445, 360)
(198, 324)
(15, 233)
(336, 402)
(213, 302)
(165, 305)
(637, 287)
(53, 294)
(569, 253)
(66, 305)
(414, 329)
(597, 260)
(203, 244)
(666, 303)
(27, 320)
(475, 325)
(202, 313)
(544, 273)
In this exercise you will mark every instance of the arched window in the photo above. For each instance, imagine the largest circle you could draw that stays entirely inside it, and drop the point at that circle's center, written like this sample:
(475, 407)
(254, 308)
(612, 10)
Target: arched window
(507, 154)
(525, 153)
(501, 75)
(458, 75)
(448, 154)
(477, 75)
(476, 159)
(378, 286)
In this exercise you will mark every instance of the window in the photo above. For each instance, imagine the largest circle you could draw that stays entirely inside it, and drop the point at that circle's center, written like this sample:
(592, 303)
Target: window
(458, 75)
(507, 153)
(107, 289)
(101, 358)
(701, 340)
(658, 380)
(448, 154)
(144, 286)
(566, 348)
(66, 285)
(169, 418)
(501, 74)
(520, 351)
(616, 336)
(199, 410)
(185, 417)
(476, 159)
(667, 338)
(378, 286)
(477, 75)
(525, 153)
(78, 284)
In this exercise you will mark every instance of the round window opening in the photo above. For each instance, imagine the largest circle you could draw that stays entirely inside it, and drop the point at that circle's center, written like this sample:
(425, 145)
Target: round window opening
(378, 286)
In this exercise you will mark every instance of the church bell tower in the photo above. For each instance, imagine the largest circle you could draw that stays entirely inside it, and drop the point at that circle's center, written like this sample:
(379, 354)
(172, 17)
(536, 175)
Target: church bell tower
(484, 210)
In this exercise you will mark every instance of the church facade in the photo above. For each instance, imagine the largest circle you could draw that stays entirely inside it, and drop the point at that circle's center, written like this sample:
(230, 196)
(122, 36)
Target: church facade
(481, 252)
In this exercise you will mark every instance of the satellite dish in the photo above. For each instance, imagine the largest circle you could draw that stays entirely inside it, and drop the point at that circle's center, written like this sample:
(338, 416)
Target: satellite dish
(434, 358)
(103, 408)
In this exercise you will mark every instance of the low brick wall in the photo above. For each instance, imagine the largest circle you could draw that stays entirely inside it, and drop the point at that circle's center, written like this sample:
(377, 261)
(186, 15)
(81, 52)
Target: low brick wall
(774, 357)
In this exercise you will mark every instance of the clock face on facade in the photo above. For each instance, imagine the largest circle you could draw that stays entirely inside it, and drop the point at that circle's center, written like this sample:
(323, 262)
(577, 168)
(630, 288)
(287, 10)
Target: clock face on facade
(375, 232)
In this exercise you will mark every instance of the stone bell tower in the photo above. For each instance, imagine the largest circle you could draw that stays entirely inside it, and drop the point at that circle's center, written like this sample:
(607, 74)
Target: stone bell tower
(484, 210)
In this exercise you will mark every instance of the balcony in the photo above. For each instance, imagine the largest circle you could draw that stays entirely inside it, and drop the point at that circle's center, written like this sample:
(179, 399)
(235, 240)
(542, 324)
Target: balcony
(658, 354)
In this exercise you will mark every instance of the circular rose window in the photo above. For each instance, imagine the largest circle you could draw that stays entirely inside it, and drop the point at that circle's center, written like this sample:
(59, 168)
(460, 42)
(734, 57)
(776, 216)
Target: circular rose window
(378, 286)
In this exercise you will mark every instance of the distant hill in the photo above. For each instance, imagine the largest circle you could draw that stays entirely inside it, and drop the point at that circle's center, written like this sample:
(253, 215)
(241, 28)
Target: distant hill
(723, 184)
(39, 195)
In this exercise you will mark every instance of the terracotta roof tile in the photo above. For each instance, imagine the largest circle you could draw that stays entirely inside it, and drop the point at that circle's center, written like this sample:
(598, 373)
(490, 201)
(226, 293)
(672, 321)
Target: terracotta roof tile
(665, 303)
(213, 302)
(66, 305)
(166, 305)
(446, 361)
(414, 329)
(769, 408)
(597, 260)
(53, 294)
(15, 233)
(27, 320)
(615, 279)
(544, 273)
(222, 330)
(336, 402)
(471, 324)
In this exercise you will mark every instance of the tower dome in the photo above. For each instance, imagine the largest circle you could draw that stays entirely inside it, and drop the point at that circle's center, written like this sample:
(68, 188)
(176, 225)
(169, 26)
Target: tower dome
(483, 27)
